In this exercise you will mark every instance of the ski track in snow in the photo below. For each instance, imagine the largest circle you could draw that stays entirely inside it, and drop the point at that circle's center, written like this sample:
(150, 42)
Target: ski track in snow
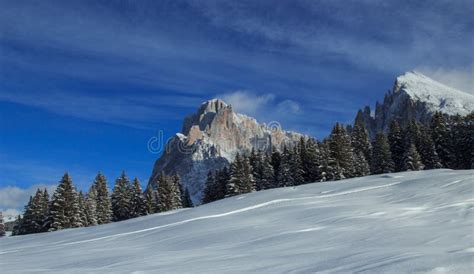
(417, 222)
(245, 209)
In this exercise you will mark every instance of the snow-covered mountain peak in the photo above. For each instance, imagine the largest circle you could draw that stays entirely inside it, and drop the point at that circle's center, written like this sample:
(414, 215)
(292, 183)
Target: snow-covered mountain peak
(436, 96)
(415, 96)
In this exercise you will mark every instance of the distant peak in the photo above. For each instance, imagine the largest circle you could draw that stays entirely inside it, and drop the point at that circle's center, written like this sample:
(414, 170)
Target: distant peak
(212, 105)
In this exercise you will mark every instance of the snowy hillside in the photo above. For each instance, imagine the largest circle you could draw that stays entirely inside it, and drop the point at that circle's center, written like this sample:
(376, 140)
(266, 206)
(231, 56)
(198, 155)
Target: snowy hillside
(396, 223)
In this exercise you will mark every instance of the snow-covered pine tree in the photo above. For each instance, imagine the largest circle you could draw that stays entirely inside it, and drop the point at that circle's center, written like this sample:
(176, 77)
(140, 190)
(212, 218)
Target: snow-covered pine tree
(27, 224)
(296, 166)
(412, 135)
(210, 188)
(91, 206)
(121, 199)
(266, 173)
(275, 161)
(427, 150)
(441, 138)
(175, 184)
(310, 159)
(284, 173)
(241, 179)
(412, 160)
(2, 225)
(82, 208)
(186, 199)
(341, 150)
(462, 132)
(45, 208)
(17, 226)
(223, 177)
(381, 156)
(397, 145)
(138, 203)
(361, 166)
(103, 203)
(360, 141)
(150, 201)
(64, 209)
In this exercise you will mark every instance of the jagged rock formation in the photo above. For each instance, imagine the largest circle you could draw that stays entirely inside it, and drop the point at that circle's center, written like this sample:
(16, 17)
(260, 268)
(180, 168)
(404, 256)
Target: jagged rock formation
(210, 139)
(415, 96)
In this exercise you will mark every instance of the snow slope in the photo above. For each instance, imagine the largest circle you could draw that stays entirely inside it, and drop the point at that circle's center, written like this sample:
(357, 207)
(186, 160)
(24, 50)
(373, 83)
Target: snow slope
(393, 223)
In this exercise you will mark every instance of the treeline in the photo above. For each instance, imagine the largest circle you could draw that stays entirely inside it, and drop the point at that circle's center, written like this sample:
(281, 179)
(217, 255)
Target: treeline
(348, 152)
(68, 208)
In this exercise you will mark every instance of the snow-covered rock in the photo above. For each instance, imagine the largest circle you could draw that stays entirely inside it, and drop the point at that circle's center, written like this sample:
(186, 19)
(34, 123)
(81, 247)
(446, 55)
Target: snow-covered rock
(210, 139)
(410, 222)
(415, 96)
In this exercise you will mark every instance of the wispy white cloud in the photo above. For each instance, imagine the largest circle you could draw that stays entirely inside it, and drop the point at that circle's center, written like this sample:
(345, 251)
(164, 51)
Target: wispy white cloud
(462, 80)
(13, 199)
(247, 102)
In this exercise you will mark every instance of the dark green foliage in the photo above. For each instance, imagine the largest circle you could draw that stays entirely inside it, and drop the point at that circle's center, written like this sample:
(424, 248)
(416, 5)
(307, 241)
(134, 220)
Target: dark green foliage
(381, 155)
(441, 139)
(138, 203)
(412, 160)
(121, 199)
(397, 145)
(64, 210)
(241, 178)
(311, 161)
(150, 201)
(103, 203)
(341, 150)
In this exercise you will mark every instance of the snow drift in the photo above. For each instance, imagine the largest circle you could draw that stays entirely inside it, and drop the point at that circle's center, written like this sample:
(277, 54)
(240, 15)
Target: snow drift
(396, 223)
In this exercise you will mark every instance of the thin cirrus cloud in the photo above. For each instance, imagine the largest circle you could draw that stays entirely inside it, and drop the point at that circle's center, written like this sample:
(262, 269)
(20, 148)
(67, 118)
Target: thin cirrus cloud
(209, 47)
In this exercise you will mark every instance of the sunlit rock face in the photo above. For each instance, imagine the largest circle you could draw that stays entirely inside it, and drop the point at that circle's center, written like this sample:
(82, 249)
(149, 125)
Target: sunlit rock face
(415, 96)
(210, 139)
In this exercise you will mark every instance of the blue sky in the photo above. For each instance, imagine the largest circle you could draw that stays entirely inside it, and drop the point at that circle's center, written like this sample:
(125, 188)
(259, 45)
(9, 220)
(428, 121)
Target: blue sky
(85, 84)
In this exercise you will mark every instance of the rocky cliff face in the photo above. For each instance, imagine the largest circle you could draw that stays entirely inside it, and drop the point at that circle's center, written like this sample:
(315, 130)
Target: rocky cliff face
(415, 96)
(210, 139)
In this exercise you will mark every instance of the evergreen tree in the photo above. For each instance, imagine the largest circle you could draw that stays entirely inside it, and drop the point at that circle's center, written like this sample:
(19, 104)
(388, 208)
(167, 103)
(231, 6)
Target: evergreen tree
(427, 151)
(17, 226)
(186, 198)
(64, 209)
(103, 203)
(266, 174)
(361, 166)
(360, 141)
(296, 166)
(441, 139)
(412, 160)
(223, 177)
(121, 199)
(397, 145)
(381, 155)
(462, 132)
(176, 192)
(138, 203)
(150, 201)
(82, 208)
(341, 150)
(91, 206)
(284, 173)
(275, 161)
(2, 226)
(45, 214)
(328, 168)
(210, 189)
(241, 179)
(169, 194)
(311, 161)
